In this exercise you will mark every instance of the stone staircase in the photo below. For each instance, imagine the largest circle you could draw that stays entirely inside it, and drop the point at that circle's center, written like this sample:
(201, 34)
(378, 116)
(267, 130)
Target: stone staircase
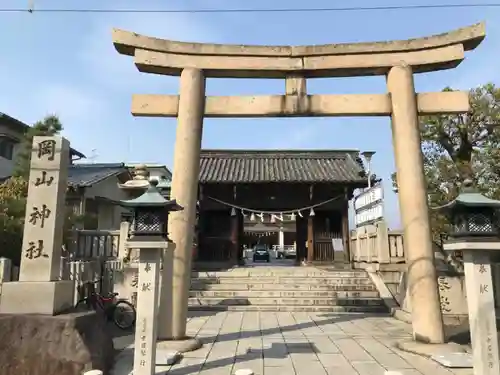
(285, 289)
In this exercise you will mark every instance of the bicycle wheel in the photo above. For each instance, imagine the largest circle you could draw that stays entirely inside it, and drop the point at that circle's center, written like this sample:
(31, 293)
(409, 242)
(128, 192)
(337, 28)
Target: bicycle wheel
(124, 314)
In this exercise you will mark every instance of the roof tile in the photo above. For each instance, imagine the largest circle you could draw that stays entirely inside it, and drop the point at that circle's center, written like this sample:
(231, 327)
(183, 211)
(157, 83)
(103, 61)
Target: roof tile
(252, 166)
(84, 175)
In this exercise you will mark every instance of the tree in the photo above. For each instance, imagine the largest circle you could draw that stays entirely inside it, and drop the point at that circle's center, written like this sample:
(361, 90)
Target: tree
(12, 209)
(50, 125)
(13, 192)
(459, 147)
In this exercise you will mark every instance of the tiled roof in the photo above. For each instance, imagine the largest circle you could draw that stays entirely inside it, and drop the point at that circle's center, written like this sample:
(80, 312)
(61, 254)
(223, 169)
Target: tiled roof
(84, 175)
(251, 166)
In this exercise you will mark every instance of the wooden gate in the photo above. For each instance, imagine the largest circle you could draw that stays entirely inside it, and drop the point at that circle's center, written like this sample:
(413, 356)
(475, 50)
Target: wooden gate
(214, 240)
(328, 237)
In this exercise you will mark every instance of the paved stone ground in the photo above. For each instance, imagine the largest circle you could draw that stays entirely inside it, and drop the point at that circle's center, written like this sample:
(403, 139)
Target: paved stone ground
(299, 343)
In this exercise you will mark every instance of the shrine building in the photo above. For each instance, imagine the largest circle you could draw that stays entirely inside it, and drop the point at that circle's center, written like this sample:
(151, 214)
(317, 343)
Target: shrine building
(278, 197)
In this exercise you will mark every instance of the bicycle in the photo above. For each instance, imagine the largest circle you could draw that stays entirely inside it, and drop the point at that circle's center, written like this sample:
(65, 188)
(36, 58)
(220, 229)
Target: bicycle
(121, 312)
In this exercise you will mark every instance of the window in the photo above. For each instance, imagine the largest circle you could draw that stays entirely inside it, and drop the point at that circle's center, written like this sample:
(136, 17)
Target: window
(7, 148)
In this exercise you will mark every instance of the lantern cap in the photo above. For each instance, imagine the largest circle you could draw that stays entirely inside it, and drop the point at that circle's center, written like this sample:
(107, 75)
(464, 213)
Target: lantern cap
(470, 197)
(151, 198)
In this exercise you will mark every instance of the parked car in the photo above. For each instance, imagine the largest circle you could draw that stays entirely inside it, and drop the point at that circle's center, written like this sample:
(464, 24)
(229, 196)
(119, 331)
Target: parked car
(261, 253)
(287, 252)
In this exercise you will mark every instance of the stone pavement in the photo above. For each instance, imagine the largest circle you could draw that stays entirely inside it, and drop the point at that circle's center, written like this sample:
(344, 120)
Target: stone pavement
(289, 343)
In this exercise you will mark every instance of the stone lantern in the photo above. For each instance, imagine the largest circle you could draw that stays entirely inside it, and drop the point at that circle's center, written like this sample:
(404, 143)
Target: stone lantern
(150, 214)
(475, 232)
(149, 235)
(473, 216)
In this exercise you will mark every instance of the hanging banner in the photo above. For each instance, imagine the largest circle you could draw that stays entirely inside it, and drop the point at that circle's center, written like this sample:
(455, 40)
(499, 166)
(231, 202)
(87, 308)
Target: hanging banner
(369, 206)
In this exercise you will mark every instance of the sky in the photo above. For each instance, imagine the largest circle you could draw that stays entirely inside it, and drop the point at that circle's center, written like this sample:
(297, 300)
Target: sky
(65, 64)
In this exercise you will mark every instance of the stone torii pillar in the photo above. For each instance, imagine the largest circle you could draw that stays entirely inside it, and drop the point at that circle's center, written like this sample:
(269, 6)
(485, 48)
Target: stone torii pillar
(427, 321)
(185, 192)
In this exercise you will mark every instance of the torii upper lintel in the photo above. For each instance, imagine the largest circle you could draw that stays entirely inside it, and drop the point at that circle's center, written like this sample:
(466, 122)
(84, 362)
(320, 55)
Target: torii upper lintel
(436, 52)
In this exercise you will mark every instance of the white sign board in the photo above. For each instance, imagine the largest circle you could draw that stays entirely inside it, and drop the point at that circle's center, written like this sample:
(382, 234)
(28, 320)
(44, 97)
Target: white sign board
(371, 214)
(369, 205)
(369, 197)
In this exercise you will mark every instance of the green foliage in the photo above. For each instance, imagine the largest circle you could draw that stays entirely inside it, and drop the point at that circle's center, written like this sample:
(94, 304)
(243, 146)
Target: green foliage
(459, 147)
(12, 209)
(50, 125)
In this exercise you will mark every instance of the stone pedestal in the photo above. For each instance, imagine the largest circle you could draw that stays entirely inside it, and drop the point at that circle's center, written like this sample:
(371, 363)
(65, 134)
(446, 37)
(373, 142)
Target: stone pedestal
(37, 297)
(147, 304)
(38, 290)
(481, 304)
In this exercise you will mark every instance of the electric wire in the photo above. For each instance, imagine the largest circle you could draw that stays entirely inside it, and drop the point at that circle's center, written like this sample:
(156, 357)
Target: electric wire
(469, 5)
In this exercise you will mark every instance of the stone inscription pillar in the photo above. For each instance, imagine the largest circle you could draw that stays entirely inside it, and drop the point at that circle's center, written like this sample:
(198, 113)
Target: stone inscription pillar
(422, 279)
(481, 306)
(38, 290)
(147, 307)
(45, 208)
(185, 191)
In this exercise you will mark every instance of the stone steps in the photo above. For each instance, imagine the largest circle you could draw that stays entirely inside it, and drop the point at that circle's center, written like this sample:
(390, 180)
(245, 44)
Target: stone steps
(285, 289)
(350, 301)
(276, 272)
(295, 308)
(283, 294)
(284, 280)
(199, 286)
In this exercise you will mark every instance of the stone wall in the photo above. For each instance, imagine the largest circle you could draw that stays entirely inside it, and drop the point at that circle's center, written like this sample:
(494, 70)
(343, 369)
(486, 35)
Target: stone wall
(452, 292)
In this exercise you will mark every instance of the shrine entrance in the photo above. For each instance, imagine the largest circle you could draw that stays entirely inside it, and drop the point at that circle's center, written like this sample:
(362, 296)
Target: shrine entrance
(292, 203)
(395, 60)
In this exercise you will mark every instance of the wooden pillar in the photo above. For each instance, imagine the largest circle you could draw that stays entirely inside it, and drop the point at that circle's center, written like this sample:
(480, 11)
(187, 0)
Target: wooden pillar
(235, 231)
(310, 230)
(241, 233)
(300, 238)
(310, 239)
(346, 235)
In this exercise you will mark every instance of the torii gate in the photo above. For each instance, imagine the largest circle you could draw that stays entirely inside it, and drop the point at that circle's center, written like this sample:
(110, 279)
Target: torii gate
(397, 60)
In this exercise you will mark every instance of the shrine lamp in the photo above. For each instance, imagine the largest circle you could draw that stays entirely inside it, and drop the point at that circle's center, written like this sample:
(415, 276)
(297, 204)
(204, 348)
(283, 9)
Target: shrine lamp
(367, 155)
(473, 216)
(150, 214)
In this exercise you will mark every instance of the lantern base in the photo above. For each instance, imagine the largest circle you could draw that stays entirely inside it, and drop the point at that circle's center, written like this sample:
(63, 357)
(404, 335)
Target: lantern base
(466, 245)
(159, 236)
(472, 237)
(151, 242)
